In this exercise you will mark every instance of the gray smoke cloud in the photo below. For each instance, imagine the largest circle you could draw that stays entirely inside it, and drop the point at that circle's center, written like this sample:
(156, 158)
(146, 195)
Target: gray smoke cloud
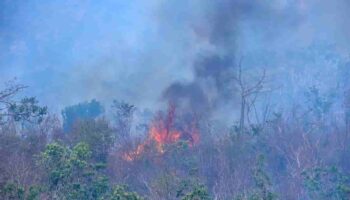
(218, 25)
(140, 52)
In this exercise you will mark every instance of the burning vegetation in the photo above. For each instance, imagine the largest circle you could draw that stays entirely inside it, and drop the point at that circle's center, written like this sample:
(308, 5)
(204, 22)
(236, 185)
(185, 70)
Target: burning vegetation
(165, 131)
(256, 98)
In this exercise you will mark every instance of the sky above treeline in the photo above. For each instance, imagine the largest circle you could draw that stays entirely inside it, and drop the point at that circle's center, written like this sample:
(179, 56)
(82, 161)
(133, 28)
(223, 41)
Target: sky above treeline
(71, 51)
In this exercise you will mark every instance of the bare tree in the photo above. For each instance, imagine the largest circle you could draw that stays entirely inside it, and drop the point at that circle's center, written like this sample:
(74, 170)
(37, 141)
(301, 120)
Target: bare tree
(248, 93)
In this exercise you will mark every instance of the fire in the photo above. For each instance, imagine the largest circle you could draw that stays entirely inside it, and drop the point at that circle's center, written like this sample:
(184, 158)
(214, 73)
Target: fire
(162, 132)
(162, 136)
(130, 156)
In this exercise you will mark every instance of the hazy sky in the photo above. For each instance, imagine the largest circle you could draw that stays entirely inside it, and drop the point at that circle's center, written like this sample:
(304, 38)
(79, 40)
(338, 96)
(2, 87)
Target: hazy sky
(73, 50)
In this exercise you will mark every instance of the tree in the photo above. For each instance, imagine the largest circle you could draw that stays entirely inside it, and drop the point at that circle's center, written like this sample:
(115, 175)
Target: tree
(199, 192)
(123, 114)
(26, 109)
(318, 104)
(120, 192)
(248, 94)
(95, 133)
(70, 174)
(81, 111)
(262, 182)
(262, 189)
(12, 191)
(344, 74)
(18, 153)
(327, 183)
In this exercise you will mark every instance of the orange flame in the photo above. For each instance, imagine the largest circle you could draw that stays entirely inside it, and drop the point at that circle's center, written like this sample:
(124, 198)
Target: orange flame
(162, 132)
(163, 136)
(130, 156)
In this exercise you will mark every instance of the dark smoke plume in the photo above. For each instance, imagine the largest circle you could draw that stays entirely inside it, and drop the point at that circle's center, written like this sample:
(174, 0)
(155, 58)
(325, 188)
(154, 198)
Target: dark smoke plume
(220, 27)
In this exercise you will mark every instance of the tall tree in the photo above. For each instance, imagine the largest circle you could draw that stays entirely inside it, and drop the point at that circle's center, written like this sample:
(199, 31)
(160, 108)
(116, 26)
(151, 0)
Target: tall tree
(123, 115)
(81, 111)
(95, 133)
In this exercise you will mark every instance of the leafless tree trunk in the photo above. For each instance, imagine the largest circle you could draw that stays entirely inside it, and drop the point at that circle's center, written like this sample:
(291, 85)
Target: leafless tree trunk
(248, 94)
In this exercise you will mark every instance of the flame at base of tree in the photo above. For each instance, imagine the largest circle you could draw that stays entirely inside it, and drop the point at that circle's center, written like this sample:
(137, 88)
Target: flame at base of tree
(162, 132)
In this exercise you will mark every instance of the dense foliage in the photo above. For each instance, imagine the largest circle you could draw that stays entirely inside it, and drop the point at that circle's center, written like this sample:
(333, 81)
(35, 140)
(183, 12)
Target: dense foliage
(112, 154)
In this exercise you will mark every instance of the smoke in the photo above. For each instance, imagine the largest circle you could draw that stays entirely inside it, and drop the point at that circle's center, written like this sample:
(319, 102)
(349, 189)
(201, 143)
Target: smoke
(179, 50)
(218, 26)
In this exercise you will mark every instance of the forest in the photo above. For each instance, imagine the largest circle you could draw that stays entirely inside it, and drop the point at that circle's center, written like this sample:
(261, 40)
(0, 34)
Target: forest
(123, 152)
(175, 100)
